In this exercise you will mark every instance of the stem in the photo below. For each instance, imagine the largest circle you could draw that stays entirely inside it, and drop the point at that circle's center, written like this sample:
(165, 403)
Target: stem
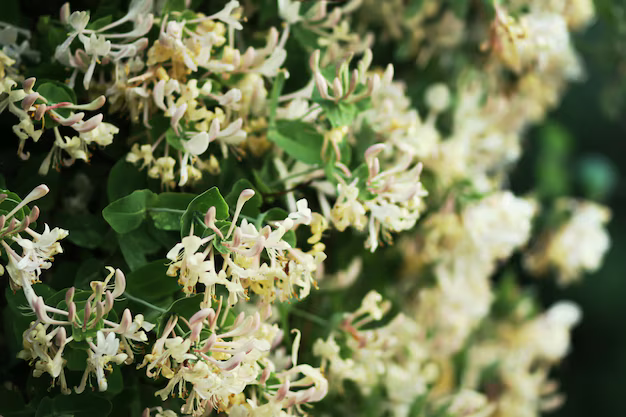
(296, 175)
(166, 210)
(144, 302)
(309, 316)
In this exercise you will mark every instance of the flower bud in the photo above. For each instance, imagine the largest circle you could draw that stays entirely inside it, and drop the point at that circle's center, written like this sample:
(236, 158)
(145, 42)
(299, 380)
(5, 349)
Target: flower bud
(28, 84)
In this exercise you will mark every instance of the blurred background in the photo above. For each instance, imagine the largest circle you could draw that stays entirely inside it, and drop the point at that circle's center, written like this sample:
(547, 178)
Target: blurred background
(581, 150)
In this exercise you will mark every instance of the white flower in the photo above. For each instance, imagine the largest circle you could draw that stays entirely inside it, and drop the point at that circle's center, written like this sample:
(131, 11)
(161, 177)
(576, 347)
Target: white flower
(104, 351)
(102, 135)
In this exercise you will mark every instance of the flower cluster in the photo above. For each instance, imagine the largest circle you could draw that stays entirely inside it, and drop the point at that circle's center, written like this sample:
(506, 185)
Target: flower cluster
(288, 271)
(315, 156)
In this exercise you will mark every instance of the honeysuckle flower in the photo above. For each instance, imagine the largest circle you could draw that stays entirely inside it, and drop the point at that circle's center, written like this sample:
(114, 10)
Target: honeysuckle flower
(576, 247)
(104, 351)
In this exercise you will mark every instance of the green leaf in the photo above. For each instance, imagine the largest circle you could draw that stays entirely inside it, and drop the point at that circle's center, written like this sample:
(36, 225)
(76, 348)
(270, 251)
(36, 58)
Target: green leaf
(252, 206)
(183, 307)
(56, 92)
(173, 6)
(277, 88)
(127, 213)
(76, 358)
(83, 405)
(298, 139)
(124, 179)
(198, 208)
(150, 282)
(413, 7)
(223, 227)
(339, 114)
(174, 140)
(136, 245)
(168, 208)
(86, 230)
(100, 23)
(11, 201)
(90, 269)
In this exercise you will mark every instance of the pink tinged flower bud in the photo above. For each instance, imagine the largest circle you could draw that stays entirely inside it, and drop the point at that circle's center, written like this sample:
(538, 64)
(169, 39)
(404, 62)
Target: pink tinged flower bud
(231, 363)
(40, 311)
(354, 79)
(88, 125)
(87, 315)
(145, 413)
(142, 43)
(75, 118)
(265, 375)
(41, 110)
(29, 100)
(255, 250)
(248, 57)
(69, 295)
(208, 343)
(322, 85)
(98, 289)
(373, 151)
(125, 323)
(245, 195)
(200, 316)
(35, 194)
(79, 58)
(214, 129)
(71, 312)
(232, 128)
(236, 239)
(61, 337)
(282, 391)
(177, 116)
(93, 105)
(108, 301)
(2, 219)
(28, 84)
(196, 328)
(11, 226)
(120, 283)
(64, 14)
(209, 221)
(314, 61)
(34, 214)
(337, 89)
(23, 224)
(158, 93)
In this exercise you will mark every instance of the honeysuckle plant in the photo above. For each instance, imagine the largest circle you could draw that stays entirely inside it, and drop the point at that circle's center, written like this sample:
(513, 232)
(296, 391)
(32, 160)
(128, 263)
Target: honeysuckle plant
(249, 216)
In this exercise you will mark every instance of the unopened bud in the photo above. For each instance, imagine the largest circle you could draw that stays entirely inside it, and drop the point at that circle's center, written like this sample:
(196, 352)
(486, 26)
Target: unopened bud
(34, 214)
(28, 84)
(29, 100)
(88, 125)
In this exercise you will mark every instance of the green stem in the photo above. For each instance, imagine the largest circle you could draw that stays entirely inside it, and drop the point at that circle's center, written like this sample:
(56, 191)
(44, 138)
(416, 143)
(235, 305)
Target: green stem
(166, 210)
(144, 302)
(296, 175)
(309, 316)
